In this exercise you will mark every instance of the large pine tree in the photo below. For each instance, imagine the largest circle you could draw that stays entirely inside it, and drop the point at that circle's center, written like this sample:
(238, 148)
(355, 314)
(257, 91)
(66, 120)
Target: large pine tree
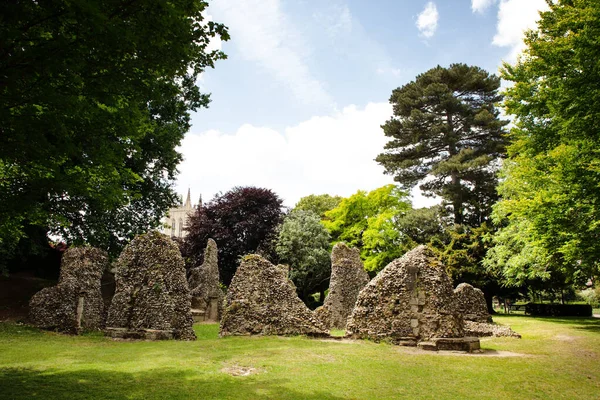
(446, 136)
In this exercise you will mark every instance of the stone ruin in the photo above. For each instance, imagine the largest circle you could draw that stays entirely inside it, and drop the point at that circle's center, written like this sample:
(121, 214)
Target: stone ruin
(411, 302)
(348, 277)
(261, 301)
(152, 298)
(75, 304)
(480, 329)
(207, 296)
(478, 322)
(471, 303)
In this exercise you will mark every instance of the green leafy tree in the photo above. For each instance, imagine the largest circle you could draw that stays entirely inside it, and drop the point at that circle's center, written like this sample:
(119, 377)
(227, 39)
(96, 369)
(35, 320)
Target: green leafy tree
(446, 135)
(550, 190)
(95, 95)
(319, 204)
(422, 225)
(368, 221)
(303, 244)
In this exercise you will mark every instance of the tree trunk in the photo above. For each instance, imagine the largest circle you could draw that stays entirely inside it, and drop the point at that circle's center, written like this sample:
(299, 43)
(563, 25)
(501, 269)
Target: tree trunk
(456, 201)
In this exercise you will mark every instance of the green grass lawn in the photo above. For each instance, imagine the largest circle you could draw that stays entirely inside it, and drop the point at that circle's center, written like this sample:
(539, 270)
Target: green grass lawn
(556, 358)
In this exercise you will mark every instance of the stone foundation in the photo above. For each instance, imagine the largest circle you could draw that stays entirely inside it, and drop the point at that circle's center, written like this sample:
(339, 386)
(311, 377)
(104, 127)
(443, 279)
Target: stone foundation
(467, 344)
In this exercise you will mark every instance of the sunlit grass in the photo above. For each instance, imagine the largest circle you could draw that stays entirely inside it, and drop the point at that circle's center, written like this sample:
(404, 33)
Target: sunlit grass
(557, 358)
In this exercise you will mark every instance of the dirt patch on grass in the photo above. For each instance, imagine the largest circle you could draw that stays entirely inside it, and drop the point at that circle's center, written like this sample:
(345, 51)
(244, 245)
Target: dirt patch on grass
(237, 370)
(476, 353)
(565, 338)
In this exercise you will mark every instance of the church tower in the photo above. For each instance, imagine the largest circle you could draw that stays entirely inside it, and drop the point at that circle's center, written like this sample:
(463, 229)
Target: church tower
(177, 218)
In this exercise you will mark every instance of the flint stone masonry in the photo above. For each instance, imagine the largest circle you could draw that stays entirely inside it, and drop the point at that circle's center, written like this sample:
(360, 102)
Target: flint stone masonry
(471, 303)
(481, 329)
(207, 296)
(409, 301)
(261, 301)
(348, 278)
(75, 304)
(152, 298)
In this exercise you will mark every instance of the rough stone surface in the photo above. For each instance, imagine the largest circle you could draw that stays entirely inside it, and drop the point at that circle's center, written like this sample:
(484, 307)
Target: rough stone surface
(410, 300)
(207, 295)
(261, 301)
(481, 329)
(348, 278)
(75, 303)
(152, 292)
(471, 303)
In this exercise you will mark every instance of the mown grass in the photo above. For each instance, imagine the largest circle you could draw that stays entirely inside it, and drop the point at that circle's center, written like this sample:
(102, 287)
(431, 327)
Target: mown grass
(556, 358)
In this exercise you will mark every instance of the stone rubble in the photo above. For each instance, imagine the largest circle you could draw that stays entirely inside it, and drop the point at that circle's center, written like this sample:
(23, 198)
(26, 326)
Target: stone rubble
(261, 301)
(481, 329)
(348, 278)
(207, 296)
(152, 298)
(75, 304)
(409, 301)
(471, 303)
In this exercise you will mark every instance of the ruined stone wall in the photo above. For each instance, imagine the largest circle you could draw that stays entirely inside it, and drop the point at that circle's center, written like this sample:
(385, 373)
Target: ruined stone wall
(348, 278)
(261, 301)
(471, 303)
(75, 303)
(204, 285)
(152, 292)
(410, 300)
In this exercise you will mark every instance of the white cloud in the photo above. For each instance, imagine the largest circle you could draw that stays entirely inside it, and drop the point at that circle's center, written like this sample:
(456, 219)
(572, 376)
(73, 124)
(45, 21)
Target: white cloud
(427, 20)
(328, 154)
(514, 18)
(481, 5)
(265, 35)
(389, 71)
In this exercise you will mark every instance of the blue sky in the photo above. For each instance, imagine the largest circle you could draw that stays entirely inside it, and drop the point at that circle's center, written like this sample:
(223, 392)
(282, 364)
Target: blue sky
(298, 104)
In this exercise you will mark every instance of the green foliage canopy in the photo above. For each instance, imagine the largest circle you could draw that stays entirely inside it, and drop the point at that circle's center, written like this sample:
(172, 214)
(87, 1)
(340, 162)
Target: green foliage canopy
(368, 221)
(446, 128)
(551, 187)
(95, 96)
(303, 244)
(318, 203)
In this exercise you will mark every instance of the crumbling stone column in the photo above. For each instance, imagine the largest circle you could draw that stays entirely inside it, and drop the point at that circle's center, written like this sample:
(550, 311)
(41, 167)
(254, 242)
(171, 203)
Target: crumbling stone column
(207, 296)
(348, 278)
(152, 298)
(75, 303)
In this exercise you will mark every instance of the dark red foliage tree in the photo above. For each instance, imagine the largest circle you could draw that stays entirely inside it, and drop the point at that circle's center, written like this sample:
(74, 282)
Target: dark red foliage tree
(241, 221)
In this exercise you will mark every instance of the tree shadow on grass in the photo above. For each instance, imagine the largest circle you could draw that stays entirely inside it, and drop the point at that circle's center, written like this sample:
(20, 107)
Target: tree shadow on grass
(16, 383)
(587, 324)
(583, 323)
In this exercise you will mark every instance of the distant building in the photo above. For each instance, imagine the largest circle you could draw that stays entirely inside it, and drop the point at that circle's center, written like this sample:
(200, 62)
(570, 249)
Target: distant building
(178, 217)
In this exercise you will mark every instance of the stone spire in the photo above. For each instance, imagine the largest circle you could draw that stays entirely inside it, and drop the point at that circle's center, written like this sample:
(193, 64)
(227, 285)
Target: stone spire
(188, 200)
(200, 201)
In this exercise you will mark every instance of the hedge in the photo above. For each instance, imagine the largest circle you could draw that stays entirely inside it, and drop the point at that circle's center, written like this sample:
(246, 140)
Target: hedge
(559, 310)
